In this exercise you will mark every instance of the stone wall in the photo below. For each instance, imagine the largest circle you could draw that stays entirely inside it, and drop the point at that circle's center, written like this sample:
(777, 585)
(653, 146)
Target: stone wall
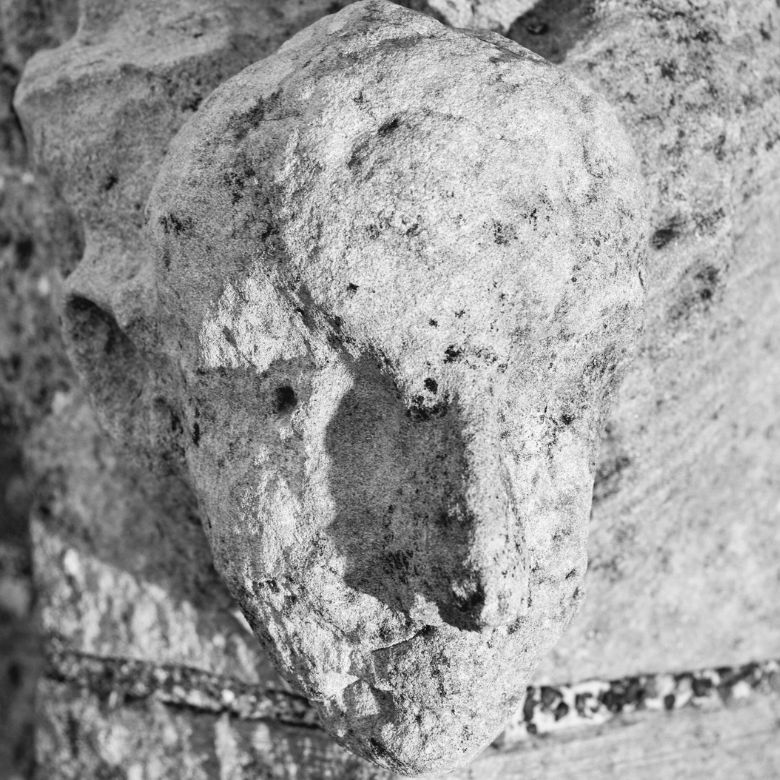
(685, 530)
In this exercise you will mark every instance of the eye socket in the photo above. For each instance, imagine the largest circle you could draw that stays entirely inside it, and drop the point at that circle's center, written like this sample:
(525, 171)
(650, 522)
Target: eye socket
(285, 399)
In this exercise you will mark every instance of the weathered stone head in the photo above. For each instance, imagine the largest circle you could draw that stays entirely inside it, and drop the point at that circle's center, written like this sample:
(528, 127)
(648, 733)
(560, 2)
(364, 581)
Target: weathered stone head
(395, 280)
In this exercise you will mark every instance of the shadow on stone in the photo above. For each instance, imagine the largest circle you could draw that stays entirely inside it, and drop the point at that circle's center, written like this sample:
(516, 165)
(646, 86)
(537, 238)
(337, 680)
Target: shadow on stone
(398, 477)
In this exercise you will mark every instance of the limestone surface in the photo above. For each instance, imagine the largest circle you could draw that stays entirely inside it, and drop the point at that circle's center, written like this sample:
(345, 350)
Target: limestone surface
(686, 488)
(397, 279)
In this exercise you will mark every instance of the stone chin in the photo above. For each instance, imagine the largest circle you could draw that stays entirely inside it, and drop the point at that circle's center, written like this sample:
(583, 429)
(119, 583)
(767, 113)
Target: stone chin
(397, 274)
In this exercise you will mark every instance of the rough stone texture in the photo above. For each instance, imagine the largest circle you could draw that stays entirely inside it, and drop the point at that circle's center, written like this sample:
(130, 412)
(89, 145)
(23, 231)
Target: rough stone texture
(20, 660)
(719, 550)
(152, 593)
(495, 15)
(394, 378)
(687, 497)
(93, 735)
(91, 508)
(84, 735)
(32, 367)
(396, 483)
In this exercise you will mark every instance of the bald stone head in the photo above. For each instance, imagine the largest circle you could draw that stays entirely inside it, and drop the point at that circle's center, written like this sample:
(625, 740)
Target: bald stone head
(397, 269)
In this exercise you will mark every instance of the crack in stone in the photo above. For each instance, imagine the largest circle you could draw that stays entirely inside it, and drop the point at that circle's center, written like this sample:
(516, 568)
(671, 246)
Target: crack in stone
(547, 709)
(426, 629)
(120, 680)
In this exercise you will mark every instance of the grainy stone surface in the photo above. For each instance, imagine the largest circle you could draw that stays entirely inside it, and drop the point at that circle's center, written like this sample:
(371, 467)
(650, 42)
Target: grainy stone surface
(546, 709)
(122, 567)
(394, 379)
(96, 734)
(396, 483)
(707, 70)
(32, 367)
(495, 15)
(686, 520)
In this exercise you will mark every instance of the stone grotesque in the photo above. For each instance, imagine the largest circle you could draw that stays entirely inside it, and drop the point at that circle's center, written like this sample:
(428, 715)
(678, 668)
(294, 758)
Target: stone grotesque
(385, 285)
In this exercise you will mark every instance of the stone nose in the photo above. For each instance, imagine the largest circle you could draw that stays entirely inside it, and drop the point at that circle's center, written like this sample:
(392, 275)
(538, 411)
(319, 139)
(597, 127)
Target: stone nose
(498, 555)
(424, 511)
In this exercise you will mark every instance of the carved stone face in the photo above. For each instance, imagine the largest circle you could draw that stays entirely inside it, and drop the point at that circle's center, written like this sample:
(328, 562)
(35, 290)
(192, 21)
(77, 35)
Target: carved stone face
(395, 281)
(398, 266)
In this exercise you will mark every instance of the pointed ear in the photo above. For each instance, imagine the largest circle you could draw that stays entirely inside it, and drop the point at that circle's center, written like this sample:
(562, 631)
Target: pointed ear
(107, 333)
